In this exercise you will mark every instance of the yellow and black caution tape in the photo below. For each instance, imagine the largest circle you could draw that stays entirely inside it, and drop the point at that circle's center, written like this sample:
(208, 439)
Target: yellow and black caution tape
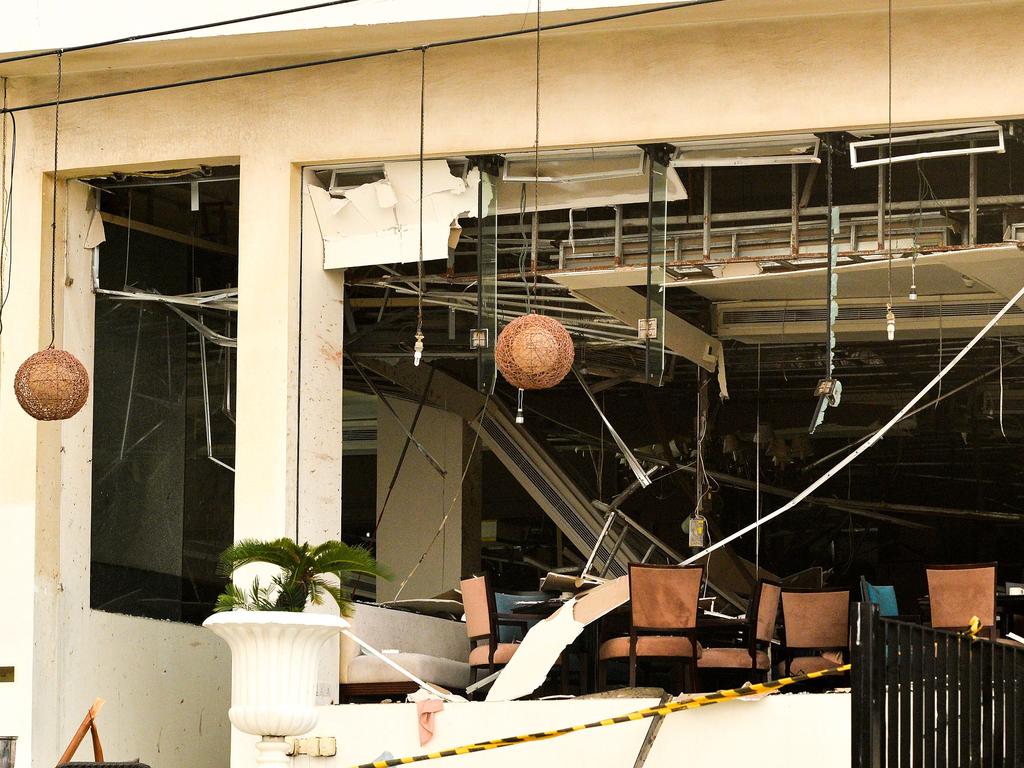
(750, 689)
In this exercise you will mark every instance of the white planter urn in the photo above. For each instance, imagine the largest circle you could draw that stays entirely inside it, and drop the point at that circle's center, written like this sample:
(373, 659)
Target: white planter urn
(274, 656)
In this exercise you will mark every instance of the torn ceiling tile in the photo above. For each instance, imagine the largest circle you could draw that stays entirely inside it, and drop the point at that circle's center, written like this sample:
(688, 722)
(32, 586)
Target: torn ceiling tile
(379, 222)
(96, 234)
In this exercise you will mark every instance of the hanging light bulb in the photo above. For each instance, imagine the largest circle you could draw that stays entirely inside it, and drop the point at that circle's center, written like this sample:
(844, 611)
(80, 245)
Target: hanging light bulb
(913, 292)
(890, 322)
(417, 353)
(520, 419)
(913, 279)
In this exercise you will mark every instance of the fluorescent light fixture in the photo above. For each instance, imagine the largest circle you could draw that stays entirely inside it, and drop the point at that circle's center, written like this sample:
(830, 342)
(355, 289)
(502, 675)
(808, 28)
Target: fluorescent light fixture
(763, 150)
(574, 165)
(973, 141)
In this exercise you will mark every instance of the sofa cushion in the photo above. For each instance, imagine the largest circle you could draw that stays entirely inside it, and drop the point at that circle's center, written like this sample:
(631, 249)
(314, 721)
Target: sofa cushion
(446, 673)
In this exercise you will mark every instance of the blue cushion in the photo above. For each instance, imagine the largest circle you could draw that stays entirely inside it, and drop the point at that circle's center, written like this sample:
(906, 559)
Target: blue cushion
(504, 603)
(884, 598)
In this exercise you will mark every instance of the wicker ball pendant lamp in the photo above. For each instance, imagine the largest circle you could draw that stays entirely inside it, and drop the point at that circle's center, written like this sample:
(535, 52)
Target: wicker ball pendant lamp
(534, 352)
(52, 384)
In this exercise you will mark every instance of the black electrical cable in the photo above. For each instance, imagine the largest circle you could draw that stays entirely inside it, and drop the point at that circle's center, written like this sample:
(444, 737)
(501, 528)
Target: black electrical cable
(53, 220)
(169, 32)
(8, 226)
(361, 56)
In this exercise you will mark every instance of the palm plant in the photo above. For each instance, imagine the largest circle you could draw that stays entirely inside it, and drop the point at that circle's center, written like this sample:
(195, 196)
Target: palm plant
(304, 578)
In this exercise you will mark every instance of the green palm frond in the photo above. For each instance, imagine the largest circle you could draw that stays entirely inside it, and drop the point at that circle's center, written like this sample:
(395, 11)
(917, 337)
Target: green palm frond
(283, 553)
(338, 593)
(236, 598)
(301, 580)
(231, 598)
(339, 558)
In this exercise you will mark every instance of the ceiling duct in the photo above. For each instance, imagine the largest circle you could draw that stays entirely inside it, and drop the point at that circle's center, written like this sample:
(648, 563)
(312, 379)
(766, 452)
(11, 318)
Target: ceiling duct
(861, 319)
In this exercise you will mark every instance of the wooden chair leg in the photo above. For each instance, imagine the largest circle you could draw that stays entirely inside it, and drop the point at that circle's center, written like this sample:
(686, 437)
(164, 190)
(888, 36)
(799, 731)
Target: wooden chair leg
(694, 675)
(632, 670)
(602, 676)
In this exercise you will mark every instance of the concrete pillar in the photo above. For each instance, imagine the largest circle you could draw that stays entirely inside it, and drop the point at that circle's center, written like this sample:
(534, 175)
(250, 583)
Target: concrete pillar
(23, 439)
(319, 383)
(421, 498)
(268, 258)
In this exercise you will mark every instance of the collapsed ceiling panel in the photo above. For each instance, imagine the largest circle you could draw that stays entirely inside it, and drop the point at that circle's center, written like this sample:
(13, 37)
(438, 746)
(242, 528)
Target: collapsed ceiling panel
(575, 179)
(379, 222)
(934, 276)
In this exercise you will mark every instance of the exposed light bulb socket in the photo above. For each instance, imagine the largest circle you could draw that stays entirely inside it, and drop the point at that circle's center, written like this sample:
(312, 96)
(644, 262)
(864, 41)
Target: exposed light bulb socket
(890, 322)
(417, 348)
(913, 293)
(520, 419)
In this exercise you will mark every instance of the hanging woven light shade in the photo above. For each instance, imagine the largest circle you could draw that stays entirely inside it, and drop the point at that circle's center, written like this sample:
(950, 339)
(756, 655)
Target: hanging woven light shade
(51, 385)
(534, 352)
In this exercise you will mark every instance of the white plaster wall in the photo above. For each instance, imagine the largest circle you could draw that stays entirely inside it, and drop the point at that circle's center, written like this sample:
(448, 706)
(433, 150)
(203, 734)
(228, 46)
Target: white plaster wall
(779, 731)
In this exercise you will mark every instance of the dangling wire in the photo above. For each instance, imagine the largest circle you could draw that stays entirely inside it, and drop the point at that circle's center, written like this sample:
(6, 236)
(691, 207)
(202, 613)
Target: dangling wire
(536, 160)
(757, 470)
(890, 317)
(1001, 429)
(53, 221)
(418, 346)
(5, 202)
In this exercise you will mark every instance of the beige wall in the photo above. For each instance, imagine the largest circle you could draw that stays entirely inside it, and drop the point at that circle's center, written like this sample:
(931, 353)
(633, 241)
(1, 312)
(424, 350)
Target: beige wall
(166, 685)
(952, 63)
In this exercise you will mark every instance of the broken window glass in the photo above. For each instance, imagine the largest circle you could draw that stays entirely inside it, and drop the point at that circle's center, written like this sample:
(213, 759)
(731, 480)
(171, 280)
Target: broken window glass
(163, 403)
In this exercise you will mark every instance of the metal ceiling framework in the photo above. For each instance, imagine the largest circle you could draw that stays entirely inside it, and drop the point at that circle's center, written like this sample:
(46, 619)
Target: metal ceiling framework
(728, 248)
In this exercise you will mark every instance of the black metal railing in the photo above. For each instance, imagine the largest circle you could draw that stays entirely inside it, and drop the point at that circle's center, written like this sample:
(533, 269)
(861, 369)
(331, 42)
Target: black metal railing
(925, 697)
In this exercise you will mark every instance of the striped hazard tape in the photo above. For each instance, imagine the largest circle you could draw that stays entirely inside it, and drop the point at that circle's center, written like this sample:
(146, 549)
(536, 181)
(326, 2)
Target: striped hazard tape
(750, 689)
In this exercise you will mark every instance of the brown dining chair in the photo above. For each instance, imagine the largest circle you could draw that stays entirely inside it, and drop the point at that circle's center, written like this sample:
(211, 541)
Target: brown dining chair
(482, 624)
(663, 620)
(958, 593)
(759, 632)
(816, 628)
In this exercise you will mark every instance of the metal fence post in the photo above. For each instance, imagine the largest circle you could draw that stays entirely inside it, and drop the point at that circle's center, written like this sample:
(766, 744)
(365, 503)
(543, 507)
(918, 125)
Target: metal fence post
(867, 685)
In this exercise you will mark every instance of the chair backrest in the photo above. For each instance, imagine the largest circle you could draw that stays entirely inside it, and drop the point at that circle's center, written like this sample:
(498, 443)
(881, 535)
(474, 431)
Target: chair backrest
(816, 618)
(664, 596)
(478, 602)
(765, 610)
(883, 596)
(957, 593)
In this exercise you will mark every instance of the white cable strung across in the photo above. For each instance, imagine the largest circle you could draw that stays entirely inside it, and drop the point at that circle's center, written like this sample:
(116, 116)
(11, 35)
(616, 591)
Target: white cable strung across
(868, 443)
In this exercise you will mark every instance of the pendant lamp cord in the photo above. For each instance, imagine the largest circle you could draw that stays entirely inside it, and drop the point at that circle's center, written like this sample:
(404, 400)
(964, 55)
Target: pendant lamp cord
(536, 161)
(53, 221)
(419, 262)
